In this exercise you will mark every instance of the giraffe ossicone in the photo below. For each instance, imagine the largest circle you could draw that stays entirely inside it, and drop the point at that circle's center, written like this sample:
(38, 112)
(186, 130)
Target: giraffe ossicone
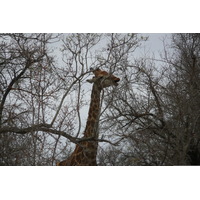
(86, 151)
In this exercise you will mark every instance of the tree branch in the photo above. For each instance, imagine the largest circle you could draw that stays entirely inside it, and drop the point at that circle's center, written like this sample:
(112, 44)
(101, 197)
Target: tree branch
(9, 88)
(48, 129)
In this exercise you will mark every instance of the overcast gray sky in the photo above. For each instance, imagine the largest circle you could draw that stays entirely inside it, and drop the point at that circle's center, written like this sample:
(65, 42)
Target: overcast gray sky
(154, 44)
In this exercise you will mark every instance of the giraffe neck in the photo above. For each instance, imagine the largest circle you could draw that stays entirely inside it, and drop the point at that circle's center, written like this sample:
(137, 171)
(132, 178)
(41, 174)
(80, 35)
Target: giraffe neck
(91, 129)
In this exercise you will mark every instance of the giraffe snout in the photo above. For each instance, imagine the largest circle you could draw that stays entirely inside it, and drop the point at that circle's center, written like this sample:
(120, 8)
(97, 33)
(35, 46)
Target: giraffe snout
(117, 80)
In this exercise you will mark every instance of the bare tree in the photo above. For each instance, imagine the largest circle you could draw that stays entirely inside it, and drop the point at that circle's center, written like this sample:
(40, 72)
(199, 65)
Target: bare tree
(156, 114)
(184, 84)
(26, 86)
(42, 97)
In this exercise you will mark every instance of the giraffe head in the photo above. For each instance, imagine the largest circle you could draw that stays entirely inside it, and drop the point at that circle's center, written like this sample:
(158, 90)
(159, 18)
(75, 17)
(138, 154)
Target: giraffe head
(103, 78)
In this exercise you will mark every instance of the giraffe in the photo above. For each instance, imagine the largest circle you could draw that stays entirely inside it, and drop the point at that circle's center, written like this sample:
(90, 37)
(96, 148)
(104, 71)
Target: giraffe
(85, 151)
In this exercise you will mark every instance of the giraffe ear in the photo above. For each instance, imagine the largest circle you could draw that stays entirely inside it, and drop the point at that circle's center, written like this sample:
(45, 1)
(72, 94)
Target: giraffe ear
(94, 70)
(92, 80)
